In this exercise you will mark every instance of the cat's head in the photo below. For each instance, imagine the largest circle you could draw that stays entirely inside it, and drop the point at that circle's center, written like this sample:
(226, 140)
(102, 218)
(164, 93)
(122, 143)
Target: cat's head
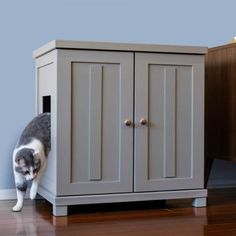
(27, 163)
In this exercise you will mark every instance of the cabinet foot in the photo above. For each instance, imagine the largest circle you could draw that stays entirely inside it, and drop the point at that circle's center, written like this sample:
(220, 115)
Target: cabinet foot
(199, 202)
(60, 210)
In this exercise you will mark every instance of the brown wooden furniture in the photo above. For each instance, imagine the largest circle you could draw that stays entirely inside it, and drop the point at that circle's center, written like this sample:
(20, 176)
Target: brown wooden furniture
(220, 105)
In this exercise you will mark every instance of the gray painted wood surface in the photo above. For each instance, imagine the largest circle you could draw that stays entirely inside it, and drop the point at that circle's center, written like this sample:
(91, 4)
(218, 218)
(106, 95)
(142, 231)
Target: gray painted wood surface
(170, 81)
(167, 87)
(106, 46)
(99, 156)
(95, 157)
(60, 203)
(95, 150)
(46, 82)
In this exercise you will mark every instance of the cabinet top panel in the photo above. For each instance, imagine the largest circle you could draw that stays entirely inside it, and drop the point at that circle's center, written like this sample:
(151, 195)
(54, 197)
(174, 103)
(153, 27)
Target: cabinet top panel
(131, 47)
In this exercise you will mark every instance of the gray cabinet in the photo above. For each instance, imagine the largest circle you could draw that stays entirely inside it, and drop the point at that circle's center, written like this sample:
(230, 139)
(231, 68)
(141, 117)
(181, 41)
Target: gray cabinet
(127, 122)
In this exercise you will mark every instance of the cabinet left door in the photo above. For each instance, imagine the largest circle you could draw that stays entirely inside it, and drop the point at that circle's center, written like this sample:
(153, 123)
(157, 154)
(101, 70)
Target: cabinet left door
(94, 146)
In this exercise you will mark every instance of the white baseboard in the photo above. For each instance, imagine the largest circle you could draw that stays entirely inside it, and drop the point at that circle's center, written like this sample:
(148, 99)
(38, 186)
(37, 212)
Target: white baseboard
(7, 194)
(10, 194)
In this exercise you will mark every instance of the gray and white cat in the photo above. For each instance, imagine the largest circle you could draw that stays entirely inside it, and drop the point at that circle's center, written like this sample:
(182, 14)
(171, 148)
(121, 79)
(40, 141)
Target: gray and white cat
(30, 157)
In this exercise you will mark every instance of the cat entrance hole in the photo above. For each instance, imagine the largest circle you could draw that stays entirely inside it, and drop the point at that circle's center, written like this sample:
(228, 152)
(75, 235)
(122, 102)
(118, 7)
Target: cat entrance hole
(46, 104)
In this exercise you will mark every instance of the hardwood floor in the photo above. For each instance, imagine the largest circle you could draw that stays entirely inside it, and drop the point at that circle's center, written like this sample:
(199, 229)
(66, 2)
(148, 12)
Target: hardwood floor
(175, 219)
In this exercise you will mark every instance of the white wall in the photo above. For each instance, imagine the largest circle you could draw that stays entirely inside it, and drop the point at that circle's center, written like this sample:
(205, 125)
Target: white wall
(27, 24)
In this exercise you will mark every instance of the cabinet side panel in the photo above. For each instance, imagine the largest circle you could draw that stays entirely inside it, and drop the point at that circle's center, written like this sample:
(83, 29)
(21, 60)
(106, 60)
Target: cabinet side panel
(46, 102)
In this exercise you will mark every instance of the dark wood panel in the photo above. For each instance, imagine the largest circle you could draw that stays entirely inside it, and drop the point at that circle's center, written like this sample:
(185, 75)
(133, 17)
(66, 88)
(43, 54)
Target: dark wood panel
(220, 103)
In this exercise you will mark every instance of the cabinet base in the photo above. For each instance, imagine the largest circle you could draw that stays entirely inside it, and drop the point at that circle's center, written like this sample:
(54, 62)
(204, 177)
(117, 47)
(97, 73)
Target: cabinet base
(61, 203)
(59, 210)
(199, 202)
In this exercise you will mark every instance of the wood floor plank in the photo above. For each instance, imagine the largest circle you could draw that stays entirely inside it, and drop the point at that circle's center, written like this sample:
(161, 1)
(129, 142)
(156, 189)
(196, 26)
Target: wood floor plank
(176, 218)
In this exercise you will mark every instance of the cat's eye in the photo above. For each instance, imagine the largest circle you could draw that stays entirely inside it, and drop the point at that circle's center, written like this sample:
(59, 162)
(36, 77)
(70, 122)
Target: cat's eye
(26, 172)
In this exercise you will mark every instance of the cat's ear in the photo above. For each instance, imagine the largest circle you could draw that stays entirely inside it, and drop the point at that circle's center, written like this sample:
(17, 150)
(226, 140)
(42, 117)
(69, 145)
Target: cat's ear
(20, 161)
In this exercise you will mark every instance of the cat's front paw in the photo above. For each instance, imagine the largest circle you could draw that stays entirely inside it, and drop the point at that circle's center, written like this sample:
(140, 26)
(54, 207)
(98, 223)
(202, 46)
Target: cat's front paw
(33, 194)
(17, 208)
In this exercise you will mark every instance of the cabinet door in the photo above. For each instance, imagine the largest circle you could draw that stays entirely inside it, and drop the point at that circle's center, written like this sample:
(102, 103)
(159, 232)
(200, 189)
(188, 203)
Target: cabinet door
(95, 98)
(169, 94)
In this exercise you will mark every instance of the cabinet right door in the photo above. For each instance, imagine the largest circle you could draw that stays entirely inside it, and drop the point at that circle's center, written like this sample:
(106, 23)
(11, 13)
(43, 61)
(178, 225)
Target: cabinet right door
(169, 147)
